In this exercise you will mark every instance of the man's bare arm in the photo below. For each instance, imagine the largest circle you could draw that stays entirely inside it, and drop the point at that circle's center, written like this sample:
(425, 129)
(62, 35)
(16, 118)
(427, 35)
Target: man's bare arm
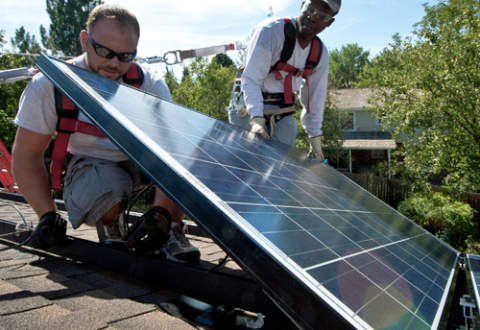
(29, 169)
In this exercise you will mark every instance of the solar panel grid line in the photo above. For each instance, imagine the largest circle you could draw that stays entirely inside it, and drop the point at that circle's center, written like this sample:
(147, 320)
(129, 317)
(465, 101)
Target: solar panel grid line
(352, 255)
(384, 233)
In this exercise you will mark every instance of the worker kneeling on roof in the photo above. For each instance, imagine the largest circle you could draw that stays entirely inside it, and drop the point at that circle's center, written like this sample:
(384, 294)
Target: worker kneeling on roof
(285, 56)
(98, 175)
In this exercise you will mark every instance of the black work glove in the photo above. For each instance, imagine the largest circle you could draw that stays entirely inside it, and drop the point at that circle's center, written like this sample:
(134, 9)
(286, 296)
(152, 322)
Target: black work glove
(50, 231)
(156, 225)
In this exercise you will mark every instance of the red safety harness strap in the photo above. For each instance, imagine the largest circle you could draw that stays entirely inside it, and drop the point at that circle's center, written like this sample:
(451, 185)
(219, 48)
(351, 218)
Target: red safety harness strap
(68, 124)
(282, 65)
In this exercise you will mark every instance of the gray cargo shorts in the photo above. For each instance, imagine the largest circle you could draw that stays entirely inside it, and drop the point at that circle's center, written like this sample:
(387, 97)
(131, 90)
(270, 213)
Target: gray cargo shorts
(92, 186)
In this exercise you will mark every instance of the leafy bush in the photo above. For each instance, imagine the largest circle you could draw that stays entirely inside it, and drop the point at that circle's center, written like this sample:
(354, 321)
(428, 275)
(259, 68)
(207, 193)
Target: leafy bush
(7, 130)
(448, 219)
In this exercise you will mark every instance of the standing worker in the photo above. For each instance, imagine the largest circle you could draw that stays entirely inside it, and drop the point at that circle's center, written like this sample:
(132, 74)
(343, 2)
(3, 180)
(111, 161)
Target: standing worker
(284, 56)
(98, 175)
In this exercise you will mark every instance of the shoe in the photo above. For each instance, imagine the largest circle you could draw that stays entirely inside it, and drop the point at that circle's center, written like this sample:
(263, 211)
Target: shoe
(113, 231)
(178, 247)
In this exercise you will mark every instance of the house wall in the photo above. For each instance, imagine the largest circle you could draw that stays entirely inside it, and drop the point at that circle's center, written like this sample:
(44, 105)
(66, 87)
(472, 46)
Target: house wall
(364, 121)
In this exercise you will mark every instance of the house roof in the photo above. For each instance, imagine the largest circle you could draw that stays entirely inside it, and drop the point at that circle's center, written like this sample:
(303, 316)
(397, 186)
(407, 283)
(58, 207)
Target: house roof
(370, 144)
(351, 98)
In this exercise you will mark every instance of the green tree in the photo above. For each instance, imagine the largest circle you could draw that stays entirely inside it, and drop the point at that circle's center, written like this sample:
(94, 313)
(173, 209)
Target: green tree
(205, 87)
(345, 65)
(378, 69)
(24, 43)
(431, 96)
(223, 60)
(170, 79)
(10, 93)
(450, 220)
(68, 19)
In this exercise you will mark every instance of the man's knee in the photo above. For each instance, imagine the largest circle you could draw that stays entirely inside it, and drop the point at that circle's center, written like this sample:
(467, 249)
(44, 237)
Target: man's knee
(112, 214)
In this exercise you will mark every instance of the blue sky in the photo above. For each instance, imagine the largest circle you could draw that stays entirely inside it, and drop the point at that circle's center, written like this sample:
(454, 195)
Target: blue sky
(186, 24)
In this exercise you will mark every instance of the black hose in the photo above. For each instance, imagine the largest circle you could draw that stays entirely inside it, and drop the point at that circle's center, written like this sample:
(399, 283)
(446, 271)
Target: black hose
(17, 245)
(137, 196)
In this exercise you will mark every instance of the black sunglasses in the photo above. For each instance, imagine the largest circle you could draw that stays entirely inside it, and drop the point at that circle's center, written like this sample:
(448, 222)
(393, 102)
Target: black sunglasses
(108, 53)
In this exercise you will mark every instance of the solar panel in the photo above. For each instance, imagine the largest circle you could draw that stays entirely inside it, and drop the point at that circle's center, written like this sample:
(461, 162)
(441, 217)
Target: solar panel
(330, 254)
(474, 268)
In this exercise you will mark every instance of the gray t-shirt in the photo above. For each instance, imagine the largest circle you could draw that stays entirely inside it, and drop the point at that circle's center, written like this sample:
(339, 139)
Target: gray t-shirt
(37, 113)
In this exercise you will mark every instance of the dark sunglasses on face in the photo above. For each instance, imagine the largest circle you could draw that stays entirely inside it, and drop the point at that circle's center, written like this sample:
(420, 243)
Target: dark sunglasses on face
(108, 53)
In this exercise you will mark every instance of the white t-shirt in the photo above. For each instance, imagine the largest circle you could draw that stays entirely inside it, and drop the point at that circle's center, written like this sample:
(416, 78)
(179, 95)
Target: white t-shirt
(37, 113)
(263, 51)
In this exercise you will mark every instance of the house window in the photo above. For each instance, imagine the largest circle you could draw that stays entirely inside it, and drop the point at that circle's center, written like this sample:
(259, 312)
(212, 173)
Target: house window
(349, 122)
(378, 153)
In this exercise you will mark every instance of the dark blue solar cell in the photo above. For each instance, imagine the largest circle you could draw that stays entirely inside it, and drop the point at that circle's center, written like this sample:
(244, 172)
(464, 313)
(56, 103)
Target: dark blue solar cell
(305, 218)
(395, 263)
(379, 274)
(391, 315)
(354, 289)
(402, 254)
(427, 310)
(330, 271)
(383, 240)
(332, 218)
(313, 258)
(441, 281)
(361, 259)
(432, 264)
(294, 242)
(368, 244)
(407, 294)
(372, 233)
(270, 222)
(354, 234)
(420, 281)
(347, 249)
(435, 293)
(417, 324)
(331, 237)
(474, 265)
(352, 219)
(275, 196)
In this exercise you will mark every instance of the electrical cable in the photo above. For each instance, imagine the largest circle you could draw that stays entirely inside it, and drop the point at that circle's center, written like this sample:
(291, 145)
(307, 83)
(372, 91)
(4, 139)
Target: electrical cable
(26, 225)
(16, 245)
(220, 264)
(127, 213)
(16, 208)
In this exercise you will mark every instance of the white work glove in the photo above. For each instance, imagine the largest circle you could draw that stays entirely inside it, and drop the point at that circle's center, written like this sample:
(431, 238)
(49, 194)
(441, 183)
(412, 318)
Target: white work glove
(316, 147)
(258, 126)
